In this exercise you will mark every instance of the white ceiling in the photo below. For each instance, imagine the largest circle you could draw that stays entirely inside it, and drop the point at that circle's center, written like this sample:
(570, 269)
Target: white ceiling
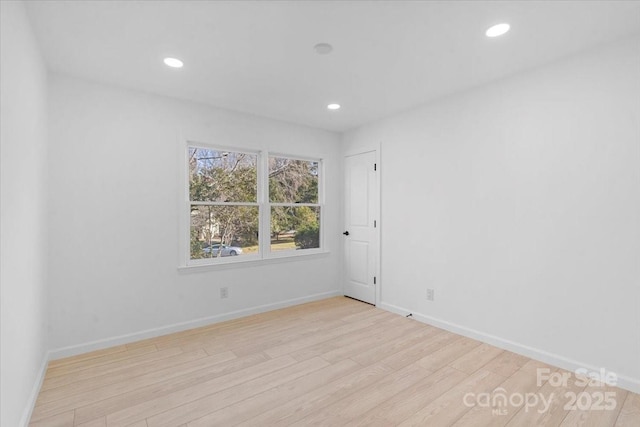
(258, 57)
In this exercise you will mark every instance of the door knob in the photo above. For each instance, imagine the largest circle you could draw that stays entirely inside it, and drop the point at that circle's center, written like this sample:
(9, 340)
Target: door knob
(346, 233)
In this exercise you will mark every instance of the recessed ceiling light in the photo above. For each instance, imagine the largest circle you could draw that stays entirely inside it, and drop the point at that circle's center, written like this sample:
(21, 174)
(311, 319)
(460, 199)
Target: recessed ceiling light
(498, 30)
(333, 106)
(323, 48)
(173, 62)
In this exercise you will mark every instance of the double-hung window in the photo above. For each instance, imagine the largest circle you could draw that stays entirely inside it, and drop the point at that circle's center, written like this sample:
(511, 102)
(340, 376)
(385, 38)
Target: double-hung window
(223, 204)
(294, 203)
(245, 205)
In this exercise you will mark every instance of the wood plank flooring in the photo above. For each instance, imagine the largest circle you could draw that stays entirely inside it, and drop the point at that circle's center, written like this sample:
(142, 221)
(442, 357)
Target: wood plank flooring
(333, 362)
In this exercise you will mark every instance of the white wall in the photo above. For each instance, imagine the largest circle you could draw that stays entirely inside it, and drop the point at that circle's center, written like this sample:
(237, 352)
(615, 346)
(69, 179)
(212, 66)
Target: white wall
(114, 198)
(23, 136)
(519, 203)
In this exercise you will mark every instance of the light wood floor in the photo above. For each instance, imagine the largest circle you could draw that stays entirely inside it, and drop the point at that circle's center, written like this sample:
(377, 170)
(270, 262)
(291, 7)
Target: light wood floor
(333, 362)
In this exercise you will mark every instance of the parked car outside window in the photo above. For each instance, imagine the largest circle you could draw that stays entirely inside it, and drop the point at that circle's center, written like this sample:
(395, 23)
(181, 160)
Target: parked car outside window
(226, 250)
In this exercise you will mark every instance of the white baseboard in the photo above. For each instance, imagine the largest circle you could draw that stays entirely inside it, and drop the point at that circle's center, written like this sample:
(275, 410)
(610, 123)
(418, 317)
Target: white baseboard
(33, 396)
(178, 327)
(625, 382)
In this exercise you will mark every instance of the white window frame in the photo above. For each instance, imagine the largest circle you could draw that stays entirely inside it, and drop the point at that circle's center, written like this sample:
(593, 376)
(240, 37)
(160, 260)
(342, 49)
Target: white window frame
(264, 210)
(269, 205)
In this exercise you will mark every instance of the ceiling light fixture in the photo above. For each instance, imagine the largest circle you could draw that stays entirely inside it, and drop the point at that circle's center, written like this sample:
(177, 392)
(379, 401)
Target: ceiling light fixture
(498, 30)
(173, 62)
(323, 48)
(333, 106)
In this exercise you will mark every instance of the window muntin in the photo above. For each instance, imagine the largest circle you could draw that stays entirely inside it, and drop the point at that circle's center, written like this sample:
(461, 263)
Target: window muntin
(246, 206)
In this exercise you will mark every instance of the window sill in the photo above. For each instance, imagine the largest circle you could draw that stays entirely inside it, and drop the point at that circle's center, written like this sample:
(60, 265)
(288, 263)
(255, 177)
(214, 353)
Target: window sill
(252, 262)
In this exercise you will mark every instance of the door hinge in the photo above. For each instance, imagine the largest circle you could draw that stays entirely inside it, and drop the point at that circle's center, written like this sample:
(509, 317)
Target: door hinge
(375, 166)
(374, 280)
(374, 223)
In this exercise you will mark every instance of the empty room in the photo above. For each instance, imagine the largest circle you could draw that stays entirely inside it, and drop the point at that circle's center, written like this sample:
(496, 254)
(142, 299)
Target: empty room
(336, 213)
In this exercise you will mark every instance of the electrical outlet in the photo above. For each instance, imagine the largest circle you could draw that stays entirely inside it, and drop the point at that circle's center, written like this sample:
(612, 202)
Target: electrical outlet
(224, 292)
(430, 294)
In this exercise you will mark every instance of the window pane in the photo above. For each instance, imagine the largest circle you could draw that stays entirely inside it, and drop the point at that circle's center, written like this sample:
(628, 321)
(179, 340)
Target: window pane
(222, 176)
(295, 227)
(293, 181)
(233, 227)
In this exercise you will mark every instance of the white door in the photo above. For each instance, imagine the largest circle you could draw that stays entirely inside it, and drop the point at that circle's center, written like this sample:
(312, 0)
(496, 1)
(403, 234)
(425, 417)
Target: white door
(360, 234)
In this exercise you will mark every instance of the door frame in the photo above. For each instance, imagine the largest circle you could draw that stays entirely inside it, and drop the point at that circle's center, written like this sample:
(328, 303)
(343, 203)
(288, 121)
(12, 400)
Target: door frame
(376, 148)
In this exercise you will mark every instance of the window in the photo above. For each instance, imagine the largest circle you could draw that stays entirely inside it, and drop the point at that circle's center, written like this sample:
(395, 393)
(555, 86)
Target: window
(246, 206)
(293, 199)
(223, 203)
